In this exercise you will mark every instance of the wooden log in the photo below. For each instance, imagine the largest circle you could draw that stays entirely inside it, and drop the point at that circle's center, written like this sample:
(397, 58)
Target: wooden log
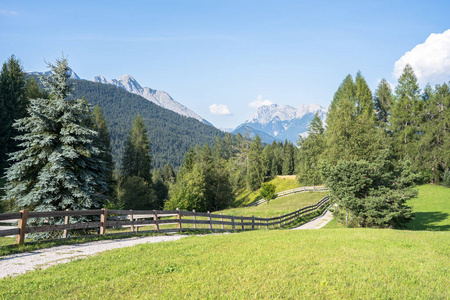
(221, 219)
(22, 226)
(253, 222)
(103, 217)
(48, 228)
(267, 224)
(279, 220)
(155, 218)
(13, 231)
(66, 222)
(194, 218)
(10, 216)
(232, 218)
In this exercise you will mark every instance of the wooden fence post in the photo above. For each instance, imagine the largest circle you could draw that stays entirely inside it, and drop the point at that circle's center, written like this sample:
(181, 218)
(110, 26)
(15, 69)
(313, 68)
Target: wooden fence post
(132, 220)
(232, 218)
(155, 218)
(179, 220)
(209, 219)
(66, 222)
(279, 221)
(242, 222)
(195, 219)
(22, 226)
(221, 220)
(267, 224)
(253, 222)
(103, 217)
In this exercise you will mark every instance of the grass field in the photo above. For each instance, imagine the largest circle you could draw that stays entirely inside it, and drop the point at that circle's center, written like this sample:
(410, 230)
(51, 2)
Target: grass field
(318, 264)
(279, 206)
(432, 209)
(281, 184)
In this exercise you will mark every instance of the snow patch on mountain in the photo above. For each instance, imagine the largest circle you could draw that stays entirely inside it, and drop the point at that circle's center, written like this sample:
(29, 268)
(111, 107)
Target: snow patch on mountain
(284, 121)
(71, 73)
(160, 98)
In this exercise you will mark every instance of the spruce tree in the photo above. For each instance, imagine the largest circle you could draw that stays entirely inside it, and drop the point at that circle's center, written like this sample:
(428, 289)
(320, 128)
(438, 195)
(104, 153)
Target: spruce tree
(13, 103)
(136, 158)
(57, 168)
(255, 165)
(310, 154)
(382, 102)
(103, 143)
(406, 112)
(432, 155)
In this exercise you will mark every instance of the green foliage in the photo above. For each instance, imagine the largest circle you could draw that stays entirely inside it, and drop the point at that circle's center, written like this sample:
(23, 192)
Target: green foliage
(310, 154)
(406, 111)
(57, 168)
(171, 134)
(372, 194)
(446, 178)
(136, 193)
(382, 102)
(255, 166)
(136, 158)
(267, 191)
(13, 103)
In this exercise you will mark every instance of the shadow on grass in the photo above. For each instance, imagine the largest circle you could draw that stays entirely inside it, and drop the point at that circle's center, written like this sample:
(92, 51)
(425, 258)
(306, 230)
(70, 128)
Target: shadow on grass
(428, 220)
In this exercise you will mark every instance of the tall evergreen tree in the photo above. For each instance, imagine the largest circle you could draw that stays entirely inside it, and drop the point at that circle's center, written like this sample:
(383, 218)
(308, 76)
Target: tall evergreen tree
(433, 155)
(382, 102)
(13, 103)
(310, 152)
(406, 111)
(103, 143)
(255, 166)
(136, 159)
(57, 168)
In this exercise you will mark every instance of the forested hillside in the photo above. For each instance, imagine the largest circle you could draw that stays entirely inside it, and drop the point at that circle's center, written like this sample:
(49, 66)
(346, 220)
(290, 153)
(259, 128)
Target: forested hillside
(170, 134)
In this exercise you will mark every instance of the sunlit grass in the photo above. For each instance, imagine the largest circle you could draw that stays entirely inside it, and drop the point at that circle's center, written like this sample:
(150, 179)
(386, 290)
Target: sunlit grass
(317, 264)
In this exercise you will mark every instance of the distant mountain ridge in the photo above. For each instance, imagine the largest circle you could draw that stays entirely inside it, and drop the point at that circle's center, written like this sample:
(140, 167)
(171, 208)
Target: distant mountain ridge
(71, 72)
(283, 121)
(160, 98)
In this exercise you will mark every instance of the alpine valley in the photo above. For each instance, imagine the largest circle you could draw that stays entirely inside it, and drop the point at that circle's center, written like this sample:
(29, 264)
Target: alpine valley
(280, 122)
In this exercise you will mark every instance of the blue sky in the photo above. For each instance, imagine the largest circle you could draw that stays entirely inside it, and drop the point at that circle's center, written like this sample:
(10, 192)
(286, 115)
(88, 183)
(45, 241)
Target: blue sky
(230, 53)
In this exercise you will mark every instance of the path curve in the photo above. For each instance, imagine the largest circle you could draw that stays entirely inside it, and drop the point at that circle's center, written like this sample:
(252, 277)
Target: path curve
(318, 222)
(16, 264)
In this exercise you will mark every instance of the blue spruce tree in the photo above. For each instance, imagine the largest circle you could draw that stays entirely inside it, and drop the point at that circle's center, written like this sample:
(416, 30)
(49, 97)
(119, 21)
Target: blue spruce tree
(58, 167)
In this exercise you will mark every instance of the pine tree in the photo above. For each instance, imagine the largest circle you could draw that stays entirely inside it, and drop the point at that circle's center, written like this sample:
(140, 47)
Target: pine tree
(103, 143)
(255, 165)
(432, 156)
(168, 174)
(13, 105)
(310, 154)
(136, 159)
(406, 110)
(57, 168)
(382, 102)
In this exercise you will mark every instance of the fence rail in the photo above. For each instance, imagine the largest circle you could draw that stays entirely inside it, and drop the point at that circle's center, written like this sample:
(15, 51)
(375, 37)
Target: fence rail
(319, 188)
(111, 218)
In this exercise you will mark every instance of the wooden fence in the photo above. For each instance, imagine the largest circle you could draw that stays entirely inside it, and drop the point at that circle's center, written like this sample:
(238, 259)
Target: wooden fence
(320, 188)
(176, 220)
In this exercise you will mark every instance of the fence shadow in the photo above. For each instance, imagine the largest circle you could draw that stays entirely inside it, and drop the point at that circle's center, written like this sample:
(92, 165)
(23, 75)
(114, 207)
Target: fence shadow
(428, 220)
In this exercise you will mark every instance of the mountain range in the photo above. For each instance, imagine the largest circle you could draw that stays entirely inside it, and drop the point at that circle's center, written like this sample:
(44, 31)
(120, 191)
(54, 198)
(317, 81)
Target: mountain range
(160, 98)
(281, 122)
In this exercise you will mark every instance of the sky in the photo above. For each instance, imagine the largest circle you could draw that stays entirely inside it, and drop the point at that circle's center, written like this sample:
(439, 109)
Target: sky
(223, 59)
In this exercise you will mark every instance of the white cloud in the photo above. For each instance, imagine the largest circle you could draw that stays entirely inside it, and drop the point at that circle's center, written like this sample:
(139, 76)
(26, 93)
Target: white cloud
(430, 60)
(219, 110)
(260, 102)
(8, 12)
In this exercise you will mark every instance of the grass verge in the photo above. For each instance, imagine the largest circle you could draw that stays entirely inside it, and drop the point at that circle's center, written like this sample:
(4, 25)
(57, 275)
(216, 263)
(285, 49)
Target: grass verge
(303, 264)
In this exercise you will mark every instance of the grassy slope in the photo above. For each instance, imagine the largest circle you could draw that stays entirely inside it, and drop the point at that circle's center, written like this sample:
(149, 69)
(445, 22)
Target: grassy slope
(281, 184)
(432, 208)
(325, 264)
(279, 206)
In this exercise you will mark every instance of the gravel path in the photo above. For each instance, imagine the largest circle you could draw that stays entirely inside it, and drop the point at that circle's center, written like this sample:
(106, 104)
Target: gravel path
(317, 223)
(16, 264)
